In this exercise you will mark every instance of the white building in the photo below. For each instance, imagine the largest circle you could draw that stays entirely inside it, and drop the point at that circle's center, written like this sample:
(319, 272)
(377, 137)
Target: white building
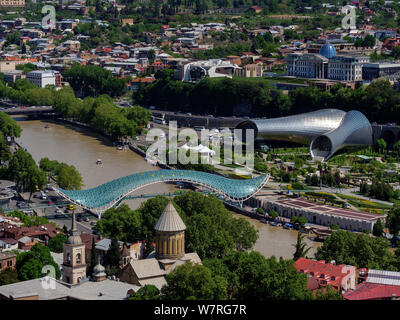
(325, 65)
(347, 68)
(42, 78)
(195, 71)
(308, 65)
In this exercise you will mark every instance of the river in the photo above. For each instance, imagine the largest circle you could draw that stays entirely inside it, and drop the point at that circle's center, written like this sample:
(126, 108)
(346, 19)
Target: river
(81, 148)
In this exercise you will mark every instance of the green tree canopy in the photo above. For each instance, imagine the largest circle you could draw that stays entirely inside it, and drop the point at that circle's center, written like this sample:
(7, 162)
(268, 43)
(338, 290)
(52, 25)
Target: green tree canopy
(147, 292)
(30, 263)
(194, 282)
(23, 170)
(359, 250)
(393, 220)
(55, 244)
(251, 276)
(8, 276)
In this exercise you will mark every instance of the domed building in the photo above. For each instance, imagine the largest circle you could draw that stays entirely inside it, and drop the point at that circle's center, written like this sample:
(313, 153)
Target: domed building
(169, 252)
(170, 234)
(326, 64)
(328, 51)
(99, 273)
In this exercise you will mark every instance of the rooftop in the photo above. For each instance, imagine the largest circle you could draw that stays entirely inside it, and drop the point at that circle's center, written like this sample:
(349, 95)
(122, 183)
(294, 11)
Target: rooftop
(170, 220)
(6, 255)
(88, 290)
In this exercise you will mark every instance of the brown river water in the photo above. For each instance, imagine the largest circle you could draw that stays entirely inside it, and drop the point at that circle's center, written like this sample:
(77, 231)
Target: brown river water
(82, 148)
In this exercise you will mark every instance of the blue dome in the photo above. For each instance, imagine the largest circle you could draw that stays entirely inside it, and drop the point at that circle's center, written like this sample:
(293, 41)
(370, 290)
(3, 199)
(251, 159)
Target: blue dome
(328, 51)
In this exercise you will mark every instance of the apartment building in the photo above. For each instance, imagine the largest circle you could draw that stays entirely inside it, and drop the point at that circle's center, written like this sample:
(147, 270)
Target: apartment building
(326, 65)
(6, 66)
(347, 68)
(308, 65)
(42, 78)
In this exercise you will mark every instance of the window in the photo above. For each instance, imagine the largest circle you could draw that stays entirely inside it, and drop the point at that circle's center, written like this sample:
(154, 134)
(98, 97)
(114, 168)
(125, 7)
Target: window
(78, 258)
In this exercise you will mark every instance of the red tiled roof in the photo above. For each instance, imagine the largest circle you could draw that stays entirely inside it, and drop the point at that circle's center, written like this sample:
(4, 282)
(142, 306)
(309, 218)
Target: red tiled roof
(9, 241)
(87, 239)
(322, 271)
(312, 284)
(33, 231)
(148, 80)
(372, 291)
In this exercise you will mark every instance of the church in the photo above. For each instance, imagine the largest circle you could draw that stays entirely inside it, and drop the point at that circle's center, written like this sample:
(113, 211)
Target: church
(169, 252)
(75, 285)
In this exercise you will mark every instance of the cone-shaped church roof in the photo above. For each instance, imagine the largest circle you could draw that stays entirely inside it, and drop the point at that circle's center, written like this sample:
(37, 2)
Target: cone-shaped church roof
(170, 220)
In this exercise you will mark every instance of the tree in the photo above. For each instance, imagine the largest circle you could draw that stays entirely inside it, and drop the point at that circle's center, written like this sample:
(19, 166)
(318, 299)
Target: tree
(211, 230)
(260, 210)
(251, 276)
(23, 170)
(23, 48)
(377, 231)
(69, 178)
(334, 226)
(8, 126)
(147, 292)
(359, 250)
(65, 229)
(244, 234)
(328, 294)
(55, 244)
(122, 223)
(93, 256)
(301, 250)
(113, 256)
(8, 276)
(5, 153)
(30, 263)
(93, 80)
(194, 282)
(381, 144)
(393, 220)
(273, 214)
(396, 52)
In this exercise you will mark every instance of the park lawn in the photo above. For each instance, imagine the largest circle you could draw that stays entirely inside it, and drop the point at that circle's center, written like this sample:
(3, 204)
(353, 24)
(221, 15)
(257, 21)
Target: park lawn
(361, 203)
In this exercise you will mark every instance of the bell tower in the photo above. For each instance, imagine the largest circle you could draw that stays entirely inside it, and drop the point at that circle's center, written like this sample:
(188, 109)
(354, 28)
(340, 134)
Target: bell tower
(74, 260)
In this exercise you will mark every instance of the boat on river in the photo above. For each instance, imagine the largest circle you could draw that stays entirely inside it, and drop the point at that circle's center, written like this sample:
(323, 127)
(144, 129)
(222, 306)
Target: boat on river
(98, 162)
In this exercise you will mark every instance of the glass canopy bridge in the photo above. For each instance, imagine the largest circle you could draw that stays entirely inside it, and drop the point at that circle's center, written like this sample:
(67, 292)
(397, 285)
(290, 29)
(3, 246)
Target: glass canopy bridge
(110, 194)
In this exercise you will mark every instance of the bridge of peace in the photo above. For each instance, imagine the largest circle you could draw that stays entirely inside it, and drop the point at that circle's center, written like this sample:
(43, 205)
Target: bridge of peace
(110, 194)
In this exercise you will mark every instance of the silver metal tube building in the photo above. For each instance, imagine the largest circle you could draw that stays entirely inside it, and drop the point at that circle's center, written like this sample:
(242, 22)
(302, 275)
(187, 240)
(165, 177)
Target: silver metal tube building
(326, 130)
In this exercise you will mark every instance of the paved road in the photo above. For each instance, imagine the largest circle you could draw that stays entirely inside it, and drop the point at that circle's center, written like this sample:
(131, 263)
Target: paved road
(349, 191)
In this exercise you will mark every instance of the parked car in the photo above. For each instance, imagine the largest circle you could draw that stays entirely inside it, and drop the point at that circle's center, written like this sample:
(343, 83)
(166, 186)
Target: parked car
(86, 219)
(21, 204)
(58, 210)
